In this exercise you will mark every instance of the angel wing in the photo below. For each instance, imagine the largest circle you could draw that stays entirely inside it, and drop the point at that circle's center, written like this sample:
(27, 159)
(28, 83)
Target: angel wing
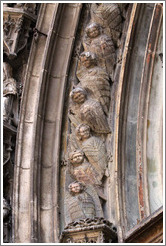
(96, 83)
(86, 174)
(92, 192)
(104, 48)
(74, 119)
(66, 209)
(95, 151)
(99, 90)
(91, 113)
(73, 208)
(108, 14)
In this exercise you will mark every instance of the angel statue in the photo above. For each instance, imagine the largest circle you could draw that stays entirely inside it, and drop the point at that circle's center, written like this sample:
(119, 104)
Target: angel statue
(87, 111)
(109, 16)
(82, 170)
(94, 149)
(94, 79)
(102, 45)
(81, 202)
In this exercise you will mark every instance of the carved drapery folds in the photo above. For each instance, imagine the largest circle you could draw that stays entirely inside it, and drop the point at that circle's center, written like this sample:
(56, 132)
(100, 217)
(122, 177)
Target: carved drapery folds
(89, 123)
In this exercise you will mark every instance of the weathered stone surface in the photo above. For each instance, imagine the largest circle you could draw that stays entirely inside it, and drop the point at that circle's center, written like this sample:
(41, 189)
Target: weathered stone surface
(87, 111)
(81, 141)
(96, 230)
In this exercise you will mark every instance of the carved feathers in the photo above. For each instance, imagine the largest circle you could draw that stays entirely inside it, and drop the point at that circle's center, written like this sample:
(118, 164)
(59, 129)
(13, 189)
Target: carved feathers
(91, 113)
(108, 15)
(95, 151)
(88, 111)
(96, 83)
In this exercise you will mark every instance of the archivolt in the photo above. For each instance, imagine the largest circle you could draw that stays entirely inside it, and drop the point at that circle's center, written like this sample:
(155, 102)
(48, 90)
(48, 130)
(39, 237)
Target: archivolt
(35, 199)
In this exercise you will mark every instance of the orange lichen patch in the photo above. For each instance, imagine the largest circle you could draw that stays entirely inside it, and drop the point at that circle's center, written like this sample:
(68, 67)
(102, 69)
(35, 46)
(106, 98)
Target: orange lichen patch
(141, 194)
(148, 58)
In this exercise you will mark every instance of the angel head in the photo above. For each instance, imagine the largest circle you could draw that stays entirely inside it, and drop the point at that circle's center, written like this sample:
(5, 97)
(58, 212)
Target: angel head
(78, 95)
(83, 132)
(76, 157)
(93, 30)
(76, 188)
(88, 59)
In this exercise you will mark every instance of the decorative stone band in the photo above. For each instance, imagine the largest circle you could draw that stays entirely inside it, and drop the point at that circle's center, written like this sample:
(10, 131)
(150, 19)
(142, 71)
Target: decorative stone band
(16, 29)
(97, 230)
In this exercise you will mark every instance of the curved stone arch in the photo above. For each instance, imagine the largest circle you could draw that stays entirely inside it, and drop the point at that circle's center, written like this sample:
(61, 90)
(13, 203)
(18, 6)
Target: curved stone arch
(36, 180)
(35, 196)
(145, 104)
(118, 129)
(143, 93)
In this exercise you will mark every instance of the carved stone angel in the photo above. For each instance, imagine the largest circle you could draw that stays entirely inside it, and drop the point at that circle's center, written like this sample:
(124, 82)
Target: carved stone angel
(87, 111)
(94, 149)
(10, 104)
(102, 45)
(81, 169)
(94, 79)
(108, 15)
(81, 202)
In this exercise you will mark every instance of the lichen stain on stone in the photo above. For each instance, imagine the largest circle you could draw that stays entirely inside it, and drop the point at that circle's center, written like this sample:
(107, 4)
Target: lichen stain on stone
(154, 183)
(151, 164)
(148, 58)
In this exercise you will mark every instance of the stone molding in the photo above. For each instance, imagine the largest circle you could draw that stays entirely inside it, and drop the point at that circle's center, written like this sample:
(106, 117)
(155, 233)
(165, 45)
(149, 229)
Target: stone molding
(36, 169)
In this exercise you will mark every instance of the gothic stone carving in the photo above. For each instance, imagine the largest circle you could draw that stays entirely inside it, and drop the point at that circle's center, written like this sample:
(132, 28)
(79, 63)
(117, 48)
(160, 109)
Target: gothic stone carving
(94, 79)
(6, 209)
(81, 169)
(88, 111)
(94, 149)
(102, 45)
(10, 102)
(96, 230)
(10, 121)
(108, 15)
(7, 149)
(81, 202)
(6, 221)
(29, 7)
(16, 28)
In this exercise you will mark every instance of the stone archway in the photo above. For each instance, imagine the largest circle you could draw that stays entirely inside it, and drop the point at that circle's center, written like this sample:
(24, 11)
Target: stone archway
(35, 201)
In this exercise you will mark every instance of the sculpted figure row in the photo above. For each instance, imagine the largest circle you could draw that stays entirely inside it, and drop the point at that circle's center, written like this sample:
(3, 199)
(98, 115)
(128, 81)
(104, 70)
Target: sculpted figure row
(89, 110)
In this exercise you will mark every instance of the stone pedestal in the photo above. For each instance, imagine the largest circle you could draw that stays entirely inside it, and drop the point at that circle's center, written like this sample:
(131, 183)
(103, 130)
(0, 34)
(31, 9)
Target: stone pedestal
(97, 230)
